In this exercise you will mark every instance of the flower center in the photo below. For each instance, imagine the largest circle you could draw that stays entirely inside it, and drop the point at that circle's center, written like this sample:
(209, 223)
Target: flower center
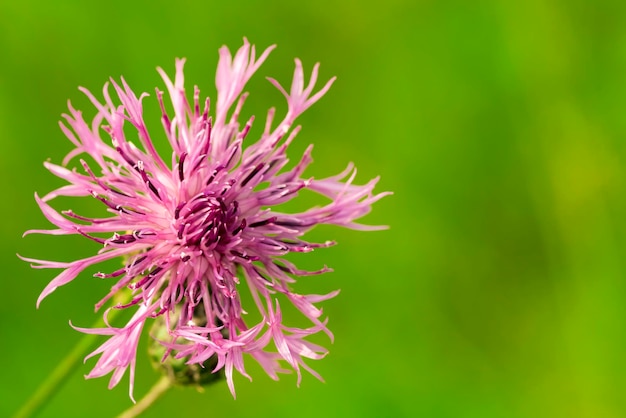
(207, 221)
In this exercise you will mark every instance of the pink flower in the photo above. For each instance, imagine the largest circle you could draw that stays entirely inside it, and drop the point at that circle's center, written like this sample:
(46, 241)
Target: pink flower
(197, 231)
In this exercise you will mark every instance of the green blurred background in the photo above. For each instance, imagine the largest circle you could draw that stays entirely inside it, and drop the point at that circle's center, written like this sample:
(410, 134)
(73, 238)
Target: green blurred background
(499, 289)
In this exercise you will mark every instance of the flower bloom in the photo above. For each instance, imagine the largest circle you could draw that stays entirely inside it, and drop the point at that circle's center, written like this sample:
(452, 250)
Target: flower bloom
(197, 231)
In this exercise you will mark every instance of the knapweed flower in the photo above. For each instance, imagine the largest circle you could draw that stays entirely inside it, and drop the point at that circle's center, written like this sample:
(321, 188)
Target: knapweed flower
(197, 231)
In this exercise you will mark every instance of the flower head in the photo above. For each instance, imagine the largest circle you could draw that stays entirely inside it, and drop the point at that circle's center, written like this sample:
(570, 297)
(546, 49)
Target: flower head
(197, 231)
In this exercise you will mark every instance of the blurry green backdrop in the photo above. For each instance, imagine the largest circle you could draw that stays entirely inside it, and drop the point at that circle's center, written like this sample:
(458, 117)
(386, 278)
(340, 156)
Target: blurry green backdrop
(499, 289)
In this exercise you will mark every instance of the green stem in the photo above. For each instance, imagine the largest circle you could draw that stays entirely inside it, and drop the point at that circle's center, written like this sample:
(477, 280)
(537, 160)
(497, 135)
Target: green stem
(153, 394)
(55, 380)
